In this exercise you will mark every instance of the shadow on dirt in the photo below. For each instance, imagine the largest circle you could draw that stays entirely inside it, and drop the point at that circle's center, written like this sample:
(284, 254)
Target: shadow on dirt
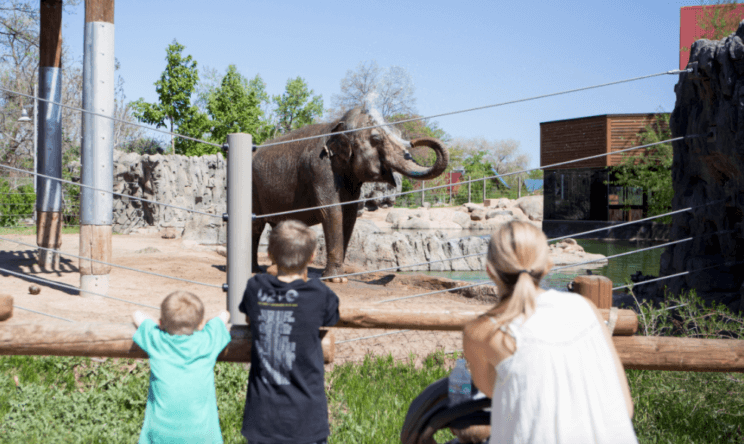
(24, 263)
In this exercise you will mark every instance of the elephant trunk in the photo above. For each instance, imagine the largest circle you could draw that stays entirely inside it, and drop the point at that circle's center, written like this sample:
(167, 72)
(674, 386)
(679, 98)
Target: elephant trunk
(405, 164)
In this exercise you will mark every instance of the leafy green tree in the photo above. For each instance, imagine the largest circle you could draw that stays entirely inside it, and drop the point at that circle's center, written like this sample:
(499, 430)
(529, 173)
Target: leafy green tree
(174, 109)
(535, 174)
(651, 169)
(719, 18)
(297, 107)
(235, 108)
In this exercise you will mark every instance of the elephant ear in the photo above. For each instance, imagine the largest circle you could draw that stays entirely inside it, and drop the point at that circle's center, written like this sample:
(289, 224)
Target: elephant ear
(340, 144)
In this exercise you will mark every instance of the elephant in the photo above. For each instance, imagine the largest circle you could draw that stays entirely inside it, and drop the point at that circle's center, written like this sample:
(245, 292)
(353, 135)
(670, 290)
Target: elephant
(331, 170)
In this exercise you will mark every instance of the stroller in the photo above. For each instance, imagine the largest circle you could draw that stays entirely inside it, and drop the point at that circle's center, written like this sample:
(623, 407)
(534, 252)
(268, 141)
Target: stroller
(430, 412)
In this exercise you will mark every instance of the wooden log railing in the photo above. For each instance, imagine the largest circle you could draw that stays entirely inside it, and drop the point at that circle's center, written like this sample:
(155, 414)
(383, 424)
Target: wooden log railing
(115, 340)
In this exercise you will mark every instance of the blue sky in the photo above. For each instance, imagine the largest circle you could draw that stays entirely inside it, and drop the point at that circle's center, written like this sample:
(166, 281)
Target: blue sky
(459, 54)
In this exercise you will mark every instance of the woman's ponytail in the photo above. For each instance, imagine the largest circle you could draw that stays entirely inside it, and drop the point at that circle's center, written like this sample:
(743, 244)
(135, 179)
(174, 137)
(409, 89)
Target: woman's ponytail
(517, 260)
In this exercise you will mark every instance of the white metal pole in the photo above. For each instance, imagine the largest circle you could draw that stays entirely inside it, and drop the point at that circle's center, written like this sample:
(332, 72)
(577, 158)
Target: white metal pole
(239, 223)
(96, 207)
(36, 132)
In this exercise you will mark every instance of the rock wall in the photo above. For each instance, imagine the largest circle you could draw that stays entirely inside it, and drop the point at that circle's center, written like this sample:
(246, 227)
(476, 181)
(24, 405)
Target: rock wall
(191, 182)
(709, 170)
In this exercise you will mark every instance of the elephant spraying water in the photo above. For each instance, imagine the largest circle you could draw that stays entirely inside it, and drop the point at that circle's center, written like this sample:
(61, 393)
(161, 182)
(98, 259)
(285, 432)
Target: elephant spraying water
(331, 170)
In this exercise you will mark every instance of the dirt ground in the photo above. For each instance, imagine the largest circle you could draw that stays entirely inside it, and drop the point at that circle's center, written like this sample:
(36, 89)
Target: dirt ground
(173, 257)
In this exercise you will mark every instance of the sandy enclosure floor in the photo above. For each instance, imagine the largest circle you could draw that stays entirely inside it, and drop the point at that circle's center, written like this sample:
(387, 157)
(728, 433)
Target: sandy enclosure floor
(172, 257)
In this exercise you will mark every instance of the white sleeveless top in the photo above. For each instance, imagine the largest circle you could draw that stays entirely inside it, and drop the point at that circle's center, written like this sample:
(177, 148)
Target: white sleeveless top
(561, 385)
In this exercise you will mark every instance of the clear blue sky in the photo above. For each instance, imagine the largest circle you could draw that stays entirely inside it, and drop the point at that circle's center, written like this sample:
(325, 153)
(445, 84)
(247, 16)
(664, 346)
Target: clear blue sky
(459, 54)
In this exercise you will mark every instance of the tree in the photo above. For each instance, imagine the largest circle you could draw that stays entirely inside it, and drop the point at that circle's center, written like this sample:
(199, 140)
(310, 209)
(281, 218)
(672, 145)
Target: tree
(389, 90)
(174, 110)
(650, 169)
(295, 108)
(235, 108)
(719, 18)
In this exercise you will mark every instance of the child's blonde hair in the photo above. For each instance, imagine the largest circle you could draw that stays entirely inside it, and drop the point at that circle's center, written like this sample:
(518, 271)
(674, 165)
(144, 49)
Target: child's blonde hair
(181, 313)
(291, 245)
(518, 259)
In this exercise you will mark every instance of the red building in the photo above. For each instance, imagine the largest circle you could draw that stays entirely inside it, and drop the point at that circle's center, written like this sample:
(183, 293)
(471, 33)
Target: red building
(690, 31)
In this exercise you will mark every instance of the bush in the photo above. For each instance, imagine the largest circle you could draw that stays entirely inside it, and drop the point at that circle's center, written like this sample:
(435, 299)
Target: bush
(15, 203)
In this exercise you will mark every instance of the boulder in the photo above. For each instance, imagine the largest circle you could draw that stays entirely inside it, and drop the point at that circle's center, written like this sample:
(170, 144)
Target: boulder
(460, 218)
(396, 214)
(502, 202)
(471, 207)
(499, 213)
(479, 214)
(532, 206)
(413, 223)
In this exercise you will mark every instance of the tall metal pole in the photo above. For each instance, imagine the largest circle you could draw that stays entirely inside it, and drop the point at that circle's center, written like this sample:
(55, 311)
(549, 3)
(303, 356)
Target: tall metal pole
(239, 223)
(96, 208)
(48, 150)
(519, 187)
(469, 183)
(484, 189)
(36, 132)
(423, 197)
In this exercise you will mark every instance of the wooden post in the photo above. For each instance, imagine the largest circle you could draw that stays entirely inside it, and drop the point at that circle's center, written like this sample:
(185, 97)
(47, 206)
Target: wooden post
(597, 289)
(469, 189)
(450, 189)
(423, 187)
(48, 135)
(6, 307)
(97, 151)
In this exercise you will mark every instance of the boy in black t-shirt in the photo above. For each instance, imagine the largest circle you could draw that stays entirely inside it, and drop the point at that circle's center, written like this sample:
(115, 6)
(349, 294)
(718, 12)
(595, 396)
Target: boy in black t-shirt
(286, 401)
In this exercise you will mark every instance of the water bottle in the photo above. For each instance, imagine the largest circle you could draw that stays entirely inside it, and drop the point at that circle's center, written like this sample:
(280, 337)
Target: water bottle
(460, 384)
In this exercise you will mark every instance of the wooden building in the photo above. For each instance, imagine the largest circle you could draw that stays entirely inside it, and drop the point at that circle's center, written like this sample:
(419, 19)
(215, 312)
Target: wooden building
(580, 191)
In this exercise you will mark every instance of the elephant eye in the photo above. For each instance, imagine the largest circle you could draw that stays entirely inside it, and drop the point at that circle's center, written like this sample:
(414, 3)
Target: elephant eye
(377, 138)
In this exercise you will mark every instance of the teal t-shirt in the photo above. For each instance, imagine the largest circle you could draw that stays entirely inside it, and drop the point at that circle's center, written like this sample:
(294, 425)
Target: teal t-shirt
(181, 401)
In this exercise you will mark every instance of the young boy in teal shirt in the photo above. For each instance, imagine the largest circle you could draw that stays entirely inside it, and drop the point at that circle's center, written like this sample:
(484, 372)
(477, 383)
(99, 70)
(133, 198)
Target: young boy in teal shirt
(181, 402)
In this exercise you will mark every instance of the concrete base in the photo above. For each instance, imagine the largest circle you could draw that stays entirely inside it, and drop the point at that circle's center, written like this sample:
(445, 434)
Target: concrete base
(91, 283)
(47, 260)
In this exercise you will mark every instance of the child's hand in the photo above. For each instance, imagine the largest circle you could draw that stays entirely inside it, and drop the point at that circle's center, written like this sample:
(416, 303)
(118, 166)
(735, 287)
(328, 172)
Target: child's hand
(138, 317)
(224, 316)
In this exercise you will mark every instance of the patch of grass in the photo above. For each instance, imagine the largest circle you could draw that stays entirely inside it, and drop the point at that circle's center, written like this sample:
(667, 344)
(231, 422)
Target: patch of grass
(26, 231)
(79, 400)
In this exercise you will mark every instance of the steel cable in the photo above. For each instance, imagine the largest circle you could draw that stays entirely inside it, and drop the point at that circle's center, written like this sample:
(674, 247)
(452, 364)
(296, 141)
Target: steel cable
(478, 108)
(115, 119)
(549, 240)
(552, 270)
(371, 337)
(141, 199)
(110, 264)
(676, 275)
(70, 287)
(284, 213)
(43, 314)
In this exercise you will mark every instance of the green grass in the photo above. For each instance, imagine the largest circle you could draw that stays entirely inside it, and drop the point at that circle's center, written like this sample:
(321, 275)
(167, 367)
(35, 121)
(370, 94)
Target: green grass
(32, 230)
(77, 400)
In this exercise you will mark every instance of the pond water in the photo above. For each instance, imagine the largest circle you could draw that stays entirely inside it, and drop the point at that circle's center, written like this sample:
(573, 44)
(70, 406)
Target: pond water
(618, 269)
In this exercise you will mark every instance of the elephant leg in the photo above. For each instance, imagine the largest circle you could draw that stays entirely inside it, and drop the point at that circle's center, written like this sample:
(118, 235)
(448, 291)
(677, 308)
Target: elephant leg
(332, 220)
(258, 227)
(349, 214)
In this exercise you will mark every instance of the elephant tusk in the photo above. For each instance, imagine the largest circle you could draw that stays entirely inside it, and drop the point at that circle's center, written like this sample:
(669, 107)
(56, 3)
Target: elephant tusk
(328, 151)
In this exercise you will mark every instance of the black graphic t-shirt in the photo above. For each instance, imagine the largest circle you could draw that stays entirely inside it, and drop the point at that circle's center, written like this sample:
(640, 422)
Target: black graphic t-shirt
(286, 400)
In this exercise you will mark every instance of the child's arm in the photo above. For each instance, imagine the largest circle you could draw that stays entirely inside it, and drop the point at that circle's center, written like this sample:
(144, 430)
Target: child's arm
(139, 317)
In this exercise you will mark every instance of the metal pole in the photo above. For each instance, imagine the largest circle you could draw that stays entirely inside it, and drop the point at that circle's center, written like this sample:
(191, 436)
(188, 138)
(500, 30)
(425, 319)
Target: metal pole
(484, 190)
(96, 208)
(450, 188)
(48, 135)
(36, 132)
(239, 224)
(423, 187)
(468, 189)
(519, 187)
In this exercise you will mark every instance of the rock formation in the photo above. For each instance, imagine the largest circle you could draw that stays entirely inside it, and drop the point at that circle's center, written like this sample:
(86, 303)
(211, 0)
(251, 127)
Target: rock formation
(708, 173)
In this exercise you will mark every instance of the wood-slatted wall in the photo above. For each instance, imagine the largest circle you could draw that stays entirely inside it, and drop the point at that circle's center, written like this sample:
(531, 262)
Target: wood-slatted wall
(573, 139)
(565, 140)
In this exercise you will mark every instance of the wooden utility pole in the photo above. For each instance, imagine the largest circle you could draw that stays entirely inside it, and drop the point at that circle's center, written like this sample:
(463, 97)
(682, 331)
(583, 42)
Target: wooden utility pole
(96, 207)
(469, 189)
(519, 187)
(48, 133)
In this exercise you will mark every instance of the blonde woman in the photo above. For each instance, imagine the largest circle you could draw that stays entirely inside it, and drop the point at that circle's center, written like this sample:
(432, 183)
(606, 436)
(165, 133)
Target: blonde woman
(545, 358)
